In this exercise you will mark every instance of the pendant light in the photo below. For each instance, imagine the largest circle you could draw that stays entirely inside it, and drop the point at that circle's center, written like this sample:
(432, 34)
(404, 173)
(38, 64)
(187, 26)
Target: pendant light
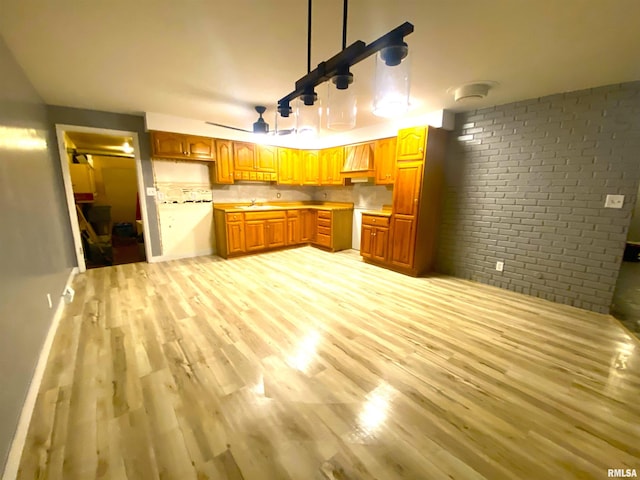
(341, 100)
(392, 81)
(391, 97)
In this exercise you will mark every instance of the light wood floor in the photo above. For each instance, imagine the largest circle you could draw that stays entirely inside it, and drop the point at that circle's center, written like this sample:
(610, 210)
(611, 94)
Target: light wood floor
(301, 364)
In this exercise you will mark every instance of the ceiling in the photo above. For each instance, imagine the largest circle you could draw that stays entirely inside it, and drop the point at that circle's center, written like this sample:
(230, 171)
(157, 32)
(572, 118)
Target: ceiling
(215, 60)
(94, 143)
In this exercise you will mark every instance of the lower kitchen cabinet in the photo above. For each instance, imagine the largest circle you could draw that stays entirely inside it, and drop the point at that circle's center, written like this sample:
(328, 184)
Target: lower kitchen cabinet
(265, 230)
(240, 233)
(374, 241)
(235, 233)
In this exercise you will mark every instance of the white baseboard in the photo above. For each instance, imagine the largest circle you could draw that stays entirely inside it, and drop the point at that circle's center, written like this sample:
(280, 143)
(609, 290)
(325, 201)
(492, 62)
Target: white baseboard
(166, 258)
(17, 445)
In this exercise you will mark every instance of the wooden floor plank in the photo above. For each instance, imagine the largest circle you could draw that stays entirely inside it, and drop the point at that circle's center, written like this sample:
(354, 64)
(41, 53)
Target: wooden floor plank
(301, 364)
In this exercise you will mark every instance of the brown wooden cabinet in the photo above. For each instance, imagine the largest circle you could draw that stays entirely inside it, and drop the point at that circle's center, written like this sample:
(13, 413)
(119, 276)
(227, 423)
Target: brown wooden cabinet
(235, 233)
(308, 226)
(334, 229)
(265, 230)
(223, 172)
(331, 161)
(182, 147)
(294, 228)
(374, 240)
(266, 158)
(415, 211)
(244, 156)
(289, 166)
(411, 144)
(385, 160)
(310, 167)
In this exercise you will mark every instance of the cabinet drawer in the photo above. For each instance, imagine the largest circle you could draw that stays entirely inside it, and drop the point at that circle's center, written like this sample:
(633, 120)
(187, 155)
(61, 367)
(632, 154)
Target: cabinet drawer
(234, 217)
(279, 214)
(324, 240)
(324, 214)
(293, 213)
(375, 220)
(323, 222)
(324, 230)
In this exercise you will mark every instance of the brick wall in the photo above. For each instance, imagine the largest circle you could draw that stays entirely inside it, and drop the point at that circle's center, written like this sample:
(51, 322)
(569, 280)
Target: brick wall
(526, 184)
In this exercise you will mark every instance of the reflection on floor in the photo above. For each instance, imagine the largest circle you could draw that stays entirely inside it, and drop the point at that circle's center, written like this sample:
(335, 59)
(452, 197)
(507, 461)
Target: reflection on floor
(626, 300)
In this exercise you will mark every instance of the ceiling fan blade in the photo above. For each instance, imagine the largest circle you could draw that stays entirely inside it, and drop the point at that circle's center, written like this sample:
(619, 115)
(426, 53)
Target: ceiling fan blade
(228, 126)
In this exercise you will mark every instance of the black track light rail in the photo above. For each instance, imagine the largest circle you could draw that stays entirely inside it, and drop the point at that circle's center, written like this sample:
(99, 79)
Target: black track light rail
(354, 53)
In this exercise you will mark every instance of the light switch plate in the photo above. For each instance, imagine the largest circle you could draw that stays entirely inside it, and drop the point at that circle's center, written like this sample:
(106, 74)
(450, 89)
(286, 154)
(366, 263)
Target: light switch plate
(614, 201)
(151, 191)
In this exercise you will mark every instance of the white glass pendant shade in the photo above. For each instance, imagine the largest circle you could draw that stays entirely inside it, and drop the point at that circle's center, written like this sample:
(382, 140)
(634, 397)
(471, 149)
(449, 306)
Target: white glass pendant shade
(285, 125)
(308, 118)
(392, 88)
(341, 107)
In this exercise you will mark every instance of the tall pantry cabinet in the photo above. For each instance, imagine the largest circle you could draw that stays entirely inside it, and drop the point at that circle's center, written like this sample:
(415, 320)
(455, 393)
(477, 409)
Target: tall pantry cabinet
(415, 212)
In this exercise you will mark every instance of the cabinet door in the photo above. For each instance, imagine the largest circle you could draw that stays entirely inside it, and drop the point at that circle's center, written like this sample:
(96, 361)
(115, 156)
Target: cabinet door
(224, 162)
(294, 231)
(336, 160)
(244, 156)
(385, 160)
(276, 232)
(366, 241)
(255, 235)
(411, 144)
(325, 170)
(284, 166)
(380, 244)
(406, 191)
(235, 237)
(200, 148)
(403, 238)
(310, 167)
(308, 225)
(169, 145)
(266, 158)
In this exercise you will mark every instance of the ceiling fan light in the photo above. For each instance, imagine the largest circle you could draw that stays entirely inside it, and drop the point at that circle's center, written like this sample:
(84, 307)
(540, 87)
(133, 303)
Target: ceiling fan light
(260, 126)
(391, 97)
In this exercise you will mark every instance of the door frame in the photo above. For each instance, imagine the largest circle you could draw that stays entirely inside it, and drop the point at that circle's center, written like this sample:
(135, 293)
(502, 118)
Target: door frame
(61, 129)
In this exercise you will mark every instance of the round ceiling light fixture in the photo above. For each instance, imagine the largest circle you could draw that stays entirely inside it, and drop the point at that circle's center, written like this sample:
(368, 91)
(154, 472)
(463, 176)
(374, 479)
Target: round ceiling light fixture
(474, 90)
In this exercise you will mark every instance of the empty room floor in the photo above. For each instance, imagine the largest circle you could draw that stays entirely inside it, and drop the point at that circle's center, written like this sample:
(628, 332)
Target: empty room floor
(301, 364)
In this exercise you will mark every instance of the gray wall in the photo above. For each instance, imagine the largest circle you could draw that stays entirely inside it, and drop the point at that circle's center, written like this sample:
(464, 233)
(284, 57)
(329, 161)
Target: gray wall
(36, 252)
(117, 121)
(526, 184)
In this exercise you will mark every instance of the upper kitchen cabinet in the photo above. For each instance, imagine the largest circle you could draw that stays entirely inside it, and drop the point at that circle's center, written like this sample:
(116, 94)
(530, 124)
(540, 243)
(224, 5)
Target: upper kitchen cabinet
(385, 160)
(358, 158)
(310, 167)
(266, 158)
(223, 172)
(254, 162)
(289, 168)
(331, 161)
(244, 156)
(411, 144)
(182, 147)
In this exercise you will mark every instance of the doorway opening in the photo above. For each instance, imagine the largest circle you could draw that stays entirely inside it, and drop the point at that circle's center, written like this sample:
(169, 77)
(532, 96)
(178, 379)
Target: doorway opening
(102, 176)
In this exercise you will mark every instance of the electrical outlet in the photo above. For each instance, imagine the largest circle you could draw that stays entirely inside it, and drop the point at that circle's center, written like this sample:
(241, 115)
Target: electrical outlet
(68, 295)
(151, 191)
(49, 300)
(614, 201)
(499, 266)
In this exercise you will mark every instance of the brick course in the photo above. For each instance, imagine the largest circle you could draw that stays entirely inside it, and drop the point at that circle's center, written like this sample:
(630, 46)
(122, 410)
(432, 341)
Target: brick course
(526, 184)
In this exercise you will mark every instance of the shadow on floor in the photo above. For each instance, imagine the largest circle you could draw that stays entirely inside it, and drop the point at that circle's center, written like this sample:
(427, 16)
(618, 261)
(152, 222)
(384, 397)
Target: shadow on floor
(626, 299)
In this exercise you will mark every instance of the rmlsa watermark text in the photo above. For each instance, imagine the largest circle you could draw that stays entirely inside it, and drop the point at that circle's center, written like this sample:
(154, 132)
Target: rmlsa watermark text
(622, 473)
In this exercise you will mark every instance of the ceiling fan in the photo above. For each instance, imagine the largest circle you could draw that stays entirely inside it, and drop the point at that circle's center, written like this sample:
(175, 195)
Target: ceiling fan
(259, 126)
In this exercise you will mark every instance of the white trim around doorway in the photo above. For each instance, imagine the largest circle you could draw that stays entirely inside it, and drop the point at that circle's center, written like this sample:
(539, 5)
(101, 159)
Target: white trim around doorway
(61, 129)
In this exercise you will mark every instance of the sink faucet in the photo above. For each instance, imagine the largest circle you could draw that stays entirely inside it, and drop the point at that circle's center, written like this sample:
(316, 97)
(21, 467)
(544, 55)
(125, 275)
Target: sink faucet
(253, 202)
